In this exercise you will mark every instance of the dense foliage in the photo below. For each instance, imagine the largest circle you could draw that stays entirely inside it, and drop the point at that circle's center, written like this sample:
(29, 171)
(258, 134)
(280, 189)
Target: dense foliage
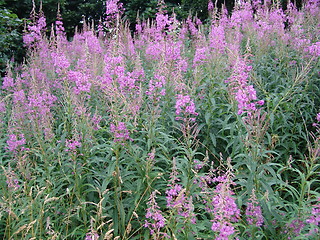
(10, 38)
(183, 130)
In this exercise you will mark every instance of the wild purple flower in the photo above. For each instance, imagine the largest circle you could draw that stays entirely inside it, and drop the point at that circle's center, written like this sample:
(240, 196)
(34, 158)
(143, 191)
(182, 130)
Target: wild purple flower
(138, 28)
(95, 120)
(198, 164)
(60, 31)
(60, 62)
(314, 219)
(244, 94)
(155, 220)
(81, 80)
(156, 87)
(100, 30)
(210, 6)
(40, 103)
(34, 32)
(162, 21)
(318, 117)
(314, 49)
(223, 207)
(120, 131)
(180, 203)
(313, 7)
(173, 50)
(72, 145)
(19, 97)
(294, 227)
(8, 83)
(192, 27)
(217, 39)
(151, 155)
(114, 9)
(12, 180)
(92, 42)
(185, 108)
(155, 50)
(39, 112)
(200, 56)
(253, 211)
(92, 236)
(15, 141)
(59, 28)
(173, 193)
(2, 107)
(128, 81)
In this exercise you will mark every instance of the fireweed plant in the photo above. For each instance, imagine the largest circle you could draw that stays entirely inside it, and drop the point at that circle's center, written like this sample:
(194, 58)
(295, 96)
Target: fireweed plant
(178, 130)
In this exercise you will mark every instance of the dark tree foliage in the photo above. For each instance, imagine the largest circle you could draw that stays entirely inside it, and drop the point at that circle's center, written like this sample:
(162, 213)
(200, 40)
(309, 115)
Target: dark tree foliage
(74, 11)
(10, 38)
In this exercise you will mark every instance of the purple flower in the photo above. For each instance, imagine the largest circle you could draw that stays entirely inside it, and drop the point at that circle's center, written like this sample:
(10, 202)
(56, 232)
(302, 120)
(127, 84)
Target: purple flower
(253, 211)
(92, 236)
(12, 180)
(34, 33)
(113, 9)
(314, 219)
(314, 49)
(185, 107)
(81, 80)
(120, 132)
(155, 221)
(210, 6)
(244, 94)
(15, 141)
(72, 145)
(201, 56)
(217, 39)
(8, 82)
(223, 208)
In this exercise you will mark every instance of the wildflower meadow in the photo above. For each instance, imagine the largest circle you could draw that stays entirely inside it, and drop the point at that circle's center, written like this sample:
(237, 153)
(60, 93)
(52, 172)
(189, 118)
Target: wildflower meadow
(180, 129)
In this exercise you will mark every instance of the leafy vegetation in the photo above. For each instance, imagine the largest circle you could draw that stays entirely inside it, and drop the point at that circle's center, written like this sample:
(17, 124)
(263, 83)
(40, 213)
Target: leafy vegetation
(182, 130)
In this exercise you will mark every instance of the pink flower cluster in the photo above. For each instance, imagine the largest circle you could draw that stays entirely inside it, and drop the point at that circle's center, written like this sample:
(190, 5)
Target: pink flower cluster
(314, 49)
(2, 107)
(81, 80)
(157, 87)
(92, 236)
(294, 228)
(224, 209)
(12, 180)
(8, 83)
(200, 56)
(314, 219)
(60, 62)
(59, 28)
(34, 33)
(185, 107)
(40, 103)
(72, 145)
(177, 199)
(113, 9)
(120, 132)
(253, 211)
(244, 94)
(156, 220)
(217, 39)
(15, 141)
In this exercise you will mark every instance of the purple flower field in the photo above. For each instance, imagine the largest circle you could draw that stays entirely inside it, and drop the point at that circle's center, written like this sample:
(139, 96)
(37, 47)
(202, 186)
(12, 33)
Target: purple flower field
(177, 130)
